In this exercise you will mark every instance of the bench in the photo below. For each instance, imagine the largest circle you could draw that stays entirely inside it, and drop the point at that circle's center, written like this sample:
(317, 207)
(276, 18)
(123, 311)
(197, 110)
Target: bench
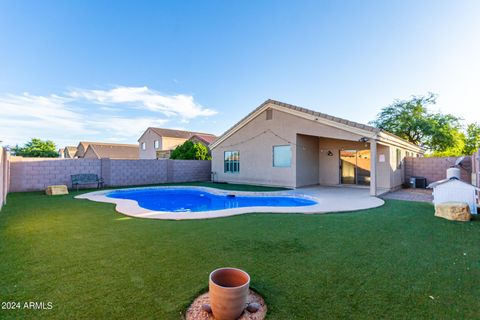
(86, 178)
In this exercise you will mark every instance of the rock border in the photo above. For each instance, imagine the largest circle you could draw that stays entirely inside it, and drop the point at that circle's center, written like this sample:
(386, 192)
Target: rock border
(195, 311)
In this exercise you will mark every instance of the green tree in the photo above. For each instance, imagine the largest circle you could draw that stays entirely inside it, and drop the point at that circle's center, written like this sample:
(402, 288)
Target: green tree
(472, 139)
(456, 149)
(190, 151)
(412, 121)
(37, 148)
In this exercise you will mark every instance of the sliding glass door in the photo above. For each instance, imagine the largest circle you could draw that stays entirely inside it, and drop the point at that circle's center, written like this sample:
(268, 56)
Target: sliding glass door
(355, 167)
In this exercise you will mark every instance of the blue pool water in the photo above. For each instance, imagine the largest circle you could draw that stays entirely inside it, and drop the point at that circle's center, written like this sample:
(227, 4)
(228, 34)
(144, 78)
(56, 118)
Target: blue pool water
(195, 200)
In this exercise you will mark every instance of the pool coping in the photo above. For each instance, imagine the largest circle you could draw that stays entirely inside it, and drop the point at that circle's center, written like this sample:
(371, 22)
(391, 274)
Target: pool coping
(131, 208)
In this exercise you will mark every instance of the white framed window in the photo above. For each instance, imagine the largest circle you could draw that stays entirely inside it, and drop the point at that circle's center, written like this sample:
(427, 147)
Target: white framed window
(157, 144)
(144, 146)
(282, 156)
(231, 161)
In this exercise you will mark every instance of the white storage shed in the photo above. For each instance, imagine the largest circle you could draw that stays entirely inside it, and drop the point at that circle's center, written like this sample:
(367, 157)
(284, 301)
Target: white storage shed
(455, 190)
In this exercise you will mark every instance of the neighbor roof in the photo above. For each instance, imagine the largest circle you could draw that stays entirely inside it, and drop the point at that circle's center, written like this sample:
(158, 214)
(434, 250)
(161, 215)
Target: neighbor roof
(114, 150)
(172, 133)
(317, 114)
(206, 138)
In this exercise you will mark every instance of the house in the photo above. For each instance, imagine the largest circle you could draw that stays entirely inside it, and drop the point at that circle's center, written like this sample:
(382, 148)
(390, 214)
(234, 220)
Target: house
(280, 144)
(81, 148)
(69, 152)
(205, 139)
(158, 142)
(61, 153)
(100, 150)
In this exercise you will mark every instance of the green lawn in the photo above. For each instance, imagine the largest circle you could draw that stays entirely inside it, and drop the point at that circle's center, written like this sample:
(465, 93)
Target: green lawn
(396, 261)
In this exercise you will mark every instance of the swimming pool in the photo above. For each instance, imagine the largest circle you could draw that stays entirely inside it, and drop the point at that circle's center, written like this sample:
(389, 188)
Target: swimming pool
(197, 200)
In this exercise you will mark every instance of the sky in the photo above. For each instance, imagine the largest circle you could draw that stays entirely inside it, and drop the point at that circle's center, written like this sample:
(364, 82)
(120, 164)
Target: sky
(98, 70)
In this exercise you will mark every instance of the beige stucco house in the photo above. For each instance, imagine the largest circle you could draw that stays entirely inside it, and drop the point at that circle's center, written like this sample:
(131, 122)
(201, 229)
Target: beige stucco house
(205, 139)
(279, 144)
(101, 150)
(69, 152)
(158, 142)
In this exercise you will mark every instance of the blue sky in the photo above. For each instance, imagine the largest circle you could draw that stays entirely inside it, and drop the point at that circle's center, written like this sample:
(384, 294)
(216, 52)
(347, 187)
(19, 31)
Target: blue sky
(104, 71)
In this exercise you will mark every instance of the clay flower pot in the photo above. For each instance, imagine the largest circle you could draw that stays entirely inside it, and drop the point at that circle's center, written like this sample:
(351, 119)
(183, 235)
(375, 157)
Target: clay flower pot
(228, 290)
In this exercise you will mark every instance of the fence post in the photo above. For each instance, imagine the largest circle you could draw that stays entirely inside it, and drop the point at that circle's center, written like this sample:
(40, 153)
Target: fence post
(170, 169)
(105, 171)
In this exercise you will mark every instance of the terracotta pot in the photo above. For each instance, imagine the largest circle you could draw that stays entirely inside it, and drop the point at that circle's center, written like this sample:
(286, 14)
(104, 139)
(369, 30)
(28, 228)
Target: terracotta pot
(228, 290)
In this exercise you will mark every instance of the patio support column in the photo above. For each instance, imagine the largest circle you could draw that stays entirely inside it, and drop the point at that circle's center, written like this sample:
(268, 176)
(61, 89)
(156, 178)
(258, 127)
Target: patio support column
(373, 167)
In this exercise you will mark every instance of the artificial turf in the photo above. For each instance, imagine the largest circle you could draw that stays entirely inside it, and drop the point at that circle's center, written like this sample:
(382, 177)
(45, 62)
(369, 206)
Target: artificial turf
(396, 261)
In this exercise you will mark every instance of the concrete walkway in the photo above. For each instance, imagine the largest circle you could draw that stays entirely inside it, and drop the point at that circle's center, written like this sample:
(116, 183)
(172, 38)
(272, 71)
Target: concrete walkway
(329, 199)
(423, 195)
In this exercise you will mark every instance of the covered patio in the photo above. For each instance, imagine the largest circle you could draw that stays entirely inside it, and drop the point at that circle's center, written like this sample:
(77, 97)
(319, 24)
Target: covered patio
(327, 161)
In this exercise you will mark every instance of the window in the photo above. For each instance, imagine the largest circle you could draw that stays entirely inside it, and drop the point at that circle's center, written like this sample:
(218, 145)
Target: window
(144, 146)
(157, 144)
(282, 156)
(232, 161)
(399, 158)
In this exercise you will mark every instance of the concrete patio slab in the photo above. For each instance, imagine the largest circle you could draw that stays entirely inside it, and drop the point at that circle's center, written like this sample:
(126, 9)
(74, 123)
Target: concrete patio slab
(329, 199)
(422, 195)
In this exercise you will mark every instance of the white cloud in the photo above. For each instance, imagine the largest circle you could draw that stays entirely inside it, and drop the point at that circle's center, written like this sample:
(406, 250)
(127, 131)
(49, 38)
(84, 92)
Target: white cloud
(180, 105)
(25, 116)
(126, 127)
(67, 119)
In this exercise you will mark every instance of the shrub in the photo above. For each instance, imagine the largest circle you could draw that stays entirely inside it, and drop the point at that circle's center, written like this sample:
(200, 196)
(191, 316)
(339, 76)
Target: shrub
(190, 151)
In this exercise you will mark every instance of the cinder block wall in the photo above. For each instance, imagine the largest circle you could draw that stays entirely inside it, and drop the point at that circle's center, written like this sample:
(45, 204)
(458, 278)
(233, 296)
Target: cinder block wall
(186, 170)
(29, 174)
(476, 168)
(136, 172)
(3, 176)
(435, 169)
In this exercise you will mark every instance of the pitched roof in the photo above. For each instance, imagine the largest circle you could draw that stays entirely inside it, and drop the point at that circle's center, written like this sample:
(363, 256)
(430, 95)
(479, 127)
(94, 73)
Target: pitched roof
(206, 138)
(114, 150)
(439, 182)
(316, 114)
(177, 133)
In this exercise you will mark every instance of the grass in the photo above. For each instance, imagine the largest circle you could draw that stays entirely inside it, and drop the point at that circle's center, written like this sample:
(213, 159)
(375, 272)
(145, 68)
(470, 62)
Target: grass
(396, 261)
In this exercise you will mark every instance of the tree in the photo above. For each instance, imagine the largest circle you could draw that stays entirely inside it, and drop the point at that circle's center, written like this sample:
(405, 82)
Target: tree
(411, 120)
(37, 148)
(190, 151)
(457, 148)
(472, 139)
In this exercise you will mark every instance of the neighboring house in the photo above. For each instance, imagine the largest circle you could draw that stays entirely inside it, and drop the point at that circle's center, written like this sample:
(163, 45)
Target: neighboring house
(158, 142)
(81, 148)
(69, 152)
(279, 144)
(97, 150)
(205, 139)
(61, 153)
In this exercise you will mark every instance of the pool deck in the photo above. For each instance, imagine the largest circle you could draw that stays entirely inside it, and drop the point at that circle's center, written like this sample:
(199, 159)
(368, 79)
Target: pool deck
(329, 199)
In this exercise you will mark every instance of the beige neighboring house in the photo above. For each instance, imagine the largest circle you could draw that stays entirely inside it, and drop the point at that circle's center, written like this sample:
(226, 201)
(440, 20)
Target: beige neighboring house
(205, 139)
(157, 143)
(81, 148)
(100, 150)
(69, 152)
(279, 144)
(61, 153)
